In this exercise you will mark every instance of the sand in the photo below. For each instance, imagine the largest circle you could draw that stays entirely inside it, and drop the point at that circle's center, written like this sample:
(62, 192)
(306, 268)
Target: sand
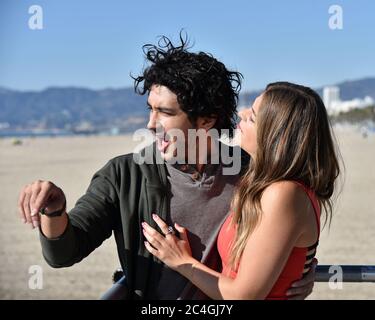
(70, 162)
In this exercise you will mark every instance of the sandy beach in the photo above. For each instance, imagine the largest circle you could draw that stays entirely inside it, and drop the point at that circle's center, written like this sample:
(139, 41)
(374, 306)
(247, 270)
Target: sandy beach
(70, 162)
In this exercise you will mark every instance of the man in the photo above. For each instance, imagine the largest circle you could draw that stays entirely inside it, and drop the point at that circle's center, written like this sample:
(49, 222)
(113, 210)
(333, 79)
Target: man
(185, 91)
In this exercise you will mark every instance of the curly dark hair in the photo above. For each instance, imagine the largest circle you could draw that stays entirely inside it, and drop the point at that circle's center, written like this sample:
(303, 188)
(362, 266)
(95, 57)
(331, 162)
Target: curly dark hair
(203, 85)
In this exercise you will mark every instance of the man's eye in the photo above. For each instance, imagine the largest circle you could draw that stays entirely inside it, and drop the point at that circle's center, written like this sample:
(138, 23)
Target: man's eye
(149, 108)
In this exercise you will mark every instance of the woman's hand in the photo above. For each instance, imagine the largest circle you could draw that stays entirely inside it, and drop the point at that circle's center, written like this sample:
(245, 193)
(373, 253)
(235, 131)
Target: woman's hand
(174, 252)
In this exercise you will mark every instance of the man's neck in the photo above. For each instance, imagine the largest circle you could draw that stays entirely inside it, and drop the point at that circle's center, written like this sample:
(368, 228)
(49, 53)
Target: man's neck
(210, 155)
(205, 157)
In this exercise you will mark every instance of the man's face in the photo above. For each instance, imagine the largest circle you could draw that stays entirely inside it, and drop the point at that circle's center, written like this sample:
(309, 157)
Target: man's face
(166, 115)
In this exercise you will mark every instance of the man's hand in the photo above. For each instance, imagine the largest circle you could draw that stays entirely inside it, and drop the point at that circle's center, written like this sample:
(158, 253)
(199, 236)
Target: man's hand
(301, 289)
(36, 196)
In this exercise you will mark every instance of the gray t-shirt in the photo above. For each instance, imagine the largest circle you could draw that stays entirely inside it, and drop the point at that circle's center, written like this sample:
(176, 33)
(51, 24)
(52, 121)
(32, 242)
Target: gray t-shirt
(200, 203)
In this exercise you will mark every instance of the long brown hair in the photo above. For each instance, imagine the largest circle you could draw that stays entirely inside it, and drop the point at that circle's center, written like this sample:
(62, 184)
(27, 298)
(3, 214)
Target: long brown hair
(295, 142)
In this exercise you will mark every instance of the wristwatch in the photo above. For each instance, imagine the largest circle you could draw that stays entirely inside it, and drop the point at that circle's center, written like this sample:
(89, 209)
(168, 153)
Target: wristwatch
(57, 213)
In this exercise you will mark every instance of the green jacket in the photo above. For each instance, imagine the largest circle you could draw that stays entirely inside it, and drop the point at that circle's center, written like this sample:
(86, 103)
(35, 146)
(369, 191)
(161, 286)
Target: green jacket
(119, 198)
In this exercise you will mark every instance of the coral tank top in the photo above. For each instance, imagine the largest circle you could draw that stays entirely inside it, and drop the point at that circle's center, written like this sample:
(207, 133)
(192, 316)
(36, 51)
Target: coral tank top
(297, 266)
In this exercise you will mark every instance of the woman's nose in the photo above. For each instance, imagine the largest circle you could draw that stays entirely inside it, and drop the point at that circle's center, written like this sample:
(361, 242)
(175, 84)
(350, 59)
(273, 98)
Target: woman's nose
(240, 114)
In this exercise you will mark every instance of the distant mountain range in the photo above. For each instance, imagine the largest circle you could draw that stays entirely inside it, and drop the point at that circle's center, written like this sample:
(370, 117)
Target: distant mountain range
(348, 90)
(71, 108)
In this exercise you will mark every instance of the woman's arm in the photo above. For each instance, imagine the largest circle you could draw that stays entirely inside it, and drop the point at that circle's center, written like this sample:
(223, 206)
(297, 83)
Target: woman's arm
(265, 255)
(176, 253)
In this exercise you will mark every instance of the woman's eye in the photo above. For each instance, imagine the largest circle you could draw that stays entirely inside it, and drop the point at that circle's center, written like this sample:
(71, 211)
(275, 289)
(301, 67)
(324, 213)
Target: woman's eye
(249, 119)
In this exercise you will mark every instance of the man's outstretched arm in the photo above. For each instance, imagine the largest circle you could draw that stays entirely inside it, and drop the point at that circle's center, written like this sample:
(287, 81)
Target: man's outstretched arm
(67, 239)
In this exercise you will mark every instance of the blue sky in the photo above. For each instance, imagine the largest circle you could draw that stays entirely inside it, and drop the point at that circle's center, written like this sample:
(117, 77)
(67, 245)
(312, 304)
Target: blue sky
(96, 44)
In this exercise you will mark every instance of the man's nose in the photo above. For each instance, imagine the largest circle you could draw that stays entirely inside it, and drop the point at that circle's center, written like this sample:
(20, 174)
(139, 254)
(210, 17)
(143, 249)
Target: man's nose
(152, 121)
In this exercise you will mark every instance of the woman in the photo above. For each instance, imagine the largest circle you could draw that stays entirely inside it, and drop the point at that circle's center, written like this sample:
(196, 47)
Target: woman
(270, 238)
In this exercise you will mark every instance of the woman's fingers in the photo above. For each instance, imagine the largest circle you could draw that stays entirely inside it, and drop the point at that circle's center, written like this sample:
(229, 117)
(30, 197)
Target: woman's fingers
(165, 228)
(151, 249)
(182, 231)
(161, 224)
(152, 236)
(156, 244)
(169, 249)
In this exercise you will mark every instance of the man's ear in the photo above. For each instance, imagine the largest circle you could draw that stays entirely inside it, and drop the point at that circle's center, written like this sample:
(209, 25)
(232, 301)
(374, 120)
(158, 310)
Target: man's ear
(206, 123)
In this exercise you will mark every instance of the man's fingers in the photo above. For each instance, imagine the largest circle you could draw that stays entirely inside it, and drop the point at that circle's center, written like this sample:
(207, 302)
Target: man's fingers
(42, 198)
(303, 282)
(306, 280)
(296, 298)
(309, 278)
(303, 290)
(300, 296)
(314, 264)
(35, 189)
(21, 211)
(36, 196)
(26, 206)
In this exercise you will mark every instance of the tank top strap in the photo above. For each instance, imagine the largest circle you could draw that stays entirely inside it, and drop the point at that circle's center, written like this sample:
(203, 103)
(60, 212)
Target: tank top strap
(315, 203)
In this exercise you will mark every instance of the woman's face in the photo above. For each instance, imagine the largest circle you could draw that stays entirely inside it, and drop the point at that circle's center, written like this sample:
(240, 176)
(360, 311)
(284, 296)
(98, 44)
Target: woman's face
(248, 127)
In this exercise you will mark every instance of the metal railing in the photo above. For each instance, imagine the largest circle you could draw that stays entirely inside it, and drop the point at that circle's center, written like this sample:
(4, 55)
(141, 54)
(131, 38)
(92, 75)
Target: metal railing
(347, 273)
(323, 273)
